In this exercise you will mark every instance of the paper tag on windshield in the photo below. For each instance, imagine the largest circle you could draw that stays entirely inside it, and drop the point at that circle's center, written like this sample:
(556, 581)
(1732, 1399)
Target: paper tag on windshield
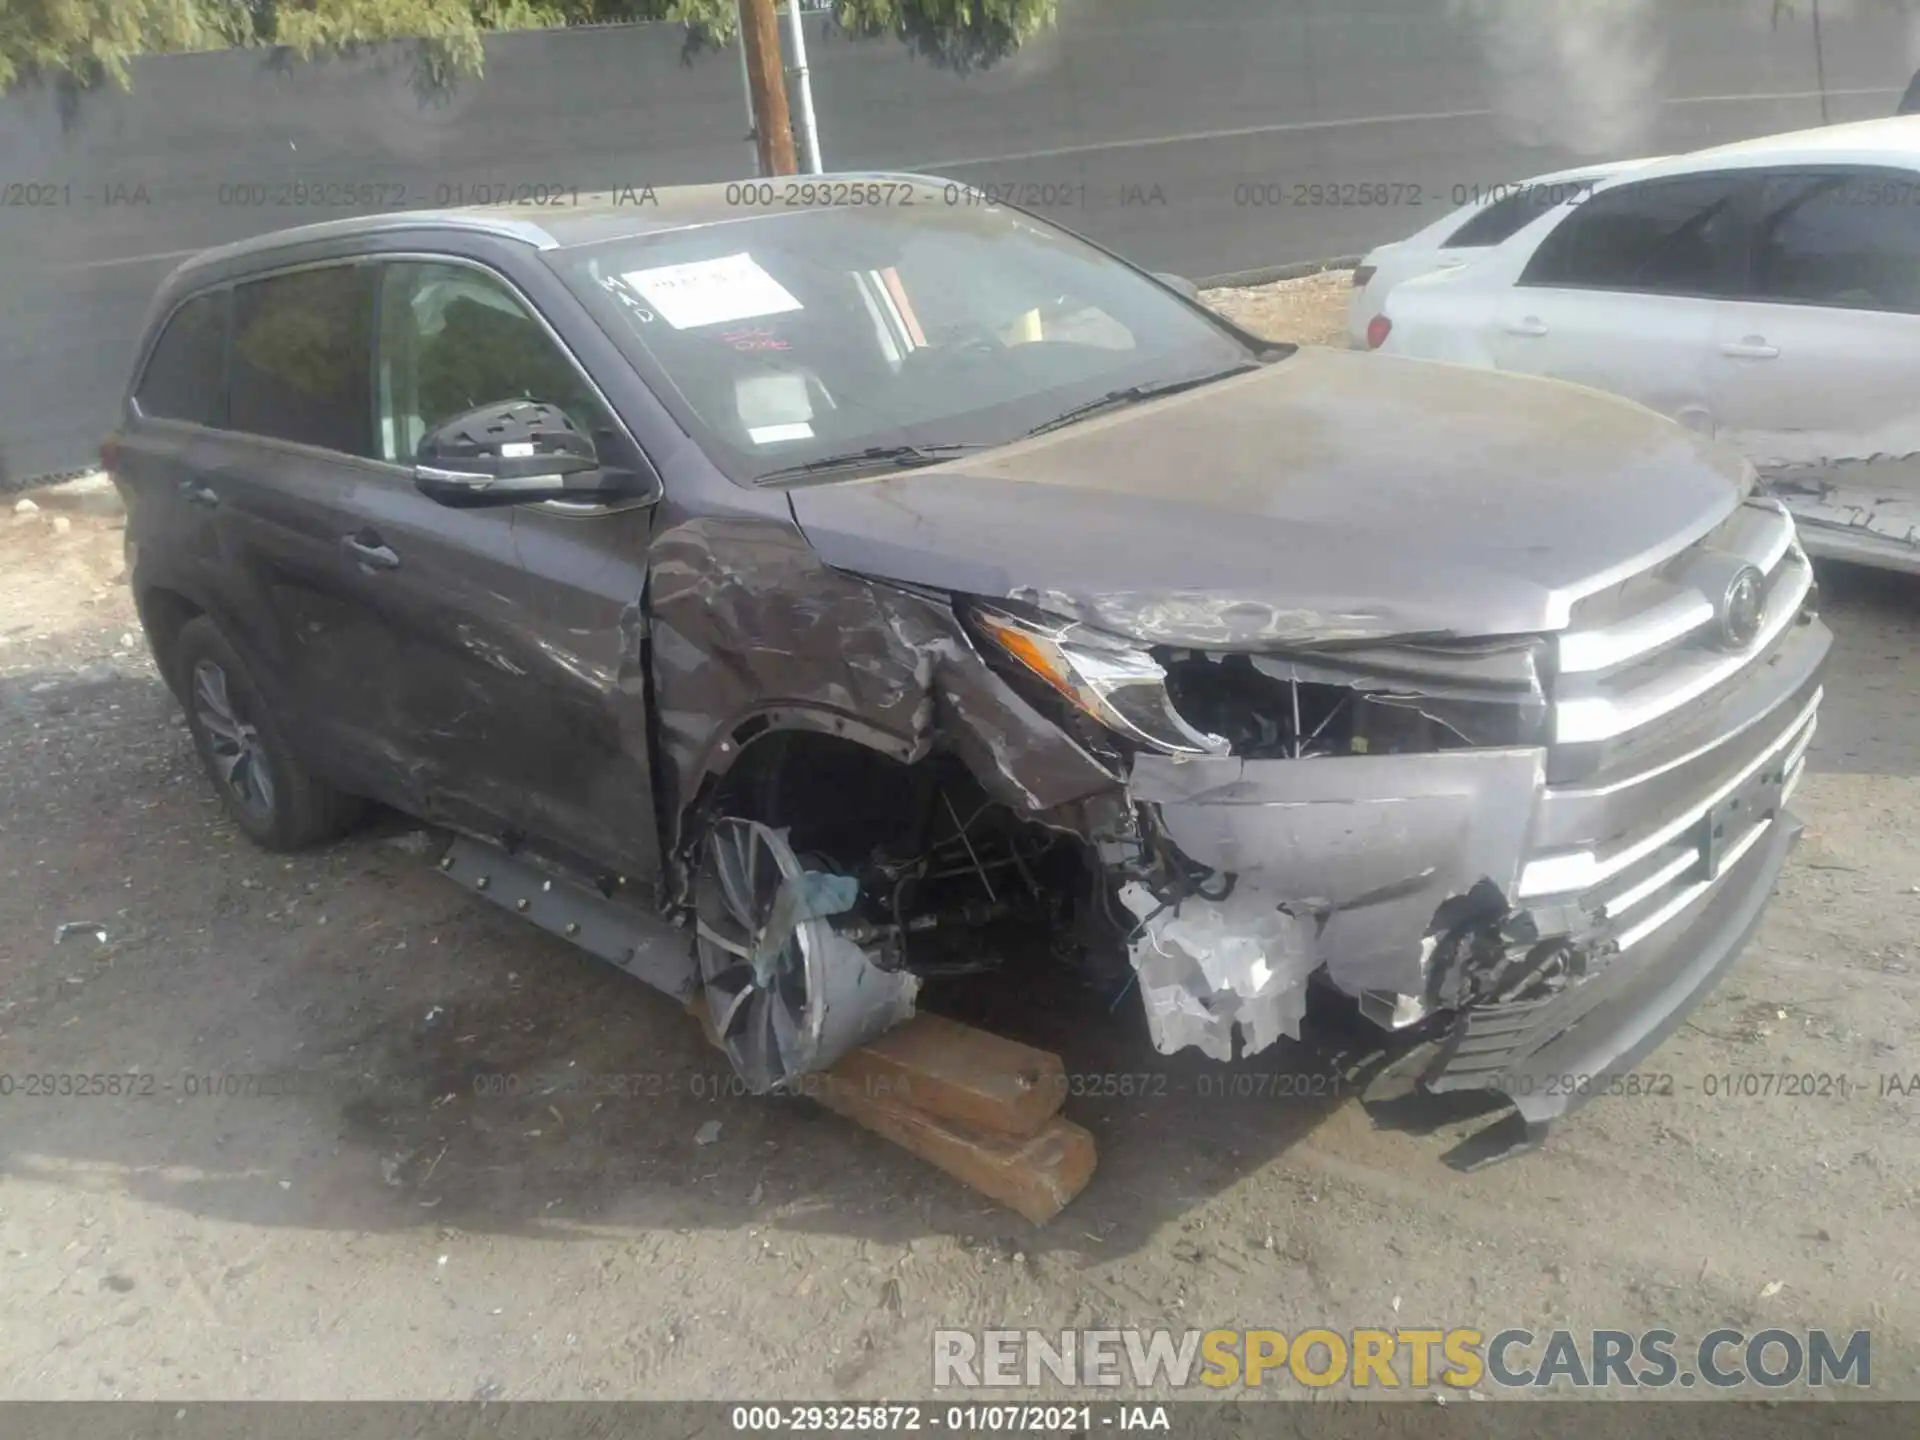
(774, 407)
(712, 292)
(773, 434)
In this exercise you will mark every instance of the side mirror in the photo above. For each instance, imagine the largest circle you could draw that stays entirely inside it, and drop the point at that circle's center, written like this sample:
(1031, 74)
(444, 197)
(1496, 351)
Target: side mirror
(1178, 282)
(514, 453)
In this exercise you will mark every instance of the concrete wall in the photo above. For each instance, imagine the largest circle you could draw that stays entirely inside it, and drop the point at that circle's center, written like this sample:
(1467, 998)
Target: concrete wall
(1147, 121)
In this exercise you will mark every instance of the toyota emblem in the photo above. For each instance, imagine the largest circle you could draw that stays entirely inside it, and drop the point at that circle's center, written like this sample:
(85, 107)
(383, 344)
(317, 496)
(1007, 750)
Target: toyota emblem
(1742, 608)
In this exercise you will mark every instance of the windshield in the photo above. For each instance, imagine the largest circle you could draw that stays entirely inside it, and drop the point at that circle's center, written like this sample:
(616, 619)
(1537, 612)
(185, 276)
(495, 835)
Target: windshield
(779, 340)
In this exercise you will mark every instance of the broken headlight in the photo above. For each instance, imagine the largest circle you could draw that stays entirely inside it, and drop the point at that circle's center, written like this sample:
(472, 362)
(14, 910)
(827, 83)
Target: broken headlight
(1122, 687)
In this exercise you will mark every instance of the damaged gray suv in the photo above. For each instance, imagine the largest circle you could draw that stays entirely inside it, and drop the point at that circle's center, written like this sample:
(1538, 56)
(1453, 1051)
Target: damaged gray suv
(875, 578)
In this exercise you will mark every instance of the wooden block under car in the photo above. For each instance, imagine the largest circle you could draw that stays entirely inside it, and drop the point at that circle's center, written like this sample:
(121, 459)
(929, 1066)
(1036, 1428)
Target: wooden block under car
(1035, 1175)
(944, 1068)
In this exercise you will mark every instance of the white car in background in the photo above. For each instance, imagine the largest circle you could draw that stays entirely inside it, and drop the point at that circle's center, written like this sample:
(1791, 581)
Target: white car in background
(1489, 216)
(1767, 293)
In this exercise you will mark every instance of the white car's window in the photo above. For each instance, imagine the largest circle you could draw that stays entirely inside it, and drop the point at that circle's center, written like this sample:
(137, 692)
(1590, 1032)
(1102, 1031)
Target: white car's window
(1512, 213)
(1847, 241)
(1674, 237)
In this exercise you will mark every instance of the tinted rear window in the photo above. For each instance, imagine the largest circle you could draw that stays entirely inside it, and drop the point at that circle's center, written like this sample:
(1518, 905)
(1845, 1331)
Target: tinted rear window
(184, 379)
(1850, 242)
(1666, 236)
(302, 358)
(1507, 217)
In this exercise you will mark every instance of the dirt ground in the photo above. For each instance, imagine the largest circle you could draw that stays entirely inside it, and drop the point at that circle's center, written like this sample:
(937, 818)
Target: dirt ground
(375, 1223)
(1309, 311)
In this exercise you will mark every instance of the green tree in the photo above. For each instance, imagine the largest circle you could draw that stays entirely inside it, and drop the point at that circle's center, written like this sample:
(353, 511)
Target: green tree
(90, 39)
(959, 34)
(86, 41)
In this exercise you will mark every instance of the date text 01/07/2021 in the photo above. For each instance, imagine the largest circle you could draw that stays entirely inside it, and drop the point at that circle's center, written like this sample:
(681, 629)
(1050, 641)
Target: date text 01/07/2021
(959, 1419)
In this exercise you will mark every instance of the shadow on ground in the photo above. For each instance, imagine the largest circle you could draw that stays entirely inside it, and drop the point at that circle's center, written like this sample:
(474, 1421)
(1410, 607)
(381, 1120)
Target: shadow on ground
(344, 1040)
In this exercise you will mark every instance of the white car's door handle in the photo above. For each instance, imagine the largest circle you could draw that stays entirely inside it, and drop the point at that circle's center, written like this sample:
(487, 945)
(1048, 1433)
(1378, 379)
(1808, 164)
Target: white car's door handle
(1531, 325)
(1754, 347)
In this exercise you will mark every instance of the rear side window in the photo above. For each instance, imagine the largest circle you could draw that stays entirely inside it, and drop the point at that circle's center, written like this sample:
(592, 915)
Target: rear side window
(1508, 216)
(1847, 241)
(185, 375)
(302, 358)
(1661, 236)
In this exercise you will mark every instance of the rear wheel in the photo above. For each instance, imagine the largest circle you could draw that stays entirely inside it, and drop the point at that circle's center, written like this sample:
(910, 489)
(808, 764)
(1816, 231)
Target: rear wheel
(271, 796)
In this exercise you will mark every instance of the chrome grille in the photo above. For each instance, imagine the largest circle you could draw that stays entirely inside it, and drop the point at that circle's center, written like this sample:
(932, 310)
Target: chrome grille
(1672, 753)
(1640, 653)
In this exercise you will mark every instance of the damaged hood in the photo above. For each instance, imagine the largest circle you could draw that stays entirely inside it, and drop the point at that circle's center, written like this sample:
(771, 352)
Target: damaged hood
(1330, 496)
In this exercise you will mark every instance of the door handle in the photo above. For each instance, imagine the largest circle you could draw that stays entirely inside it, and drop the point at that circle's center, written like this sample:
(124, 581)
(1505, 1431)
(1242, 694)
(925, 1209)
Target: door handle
(1531, 325)
(367, 551)
(1754, 347)
(197, 494)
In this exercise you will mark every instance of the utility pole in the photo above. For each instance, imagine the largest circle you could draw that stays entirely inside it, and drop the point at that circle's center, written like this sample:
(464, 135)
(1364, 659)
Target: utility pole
(1820, 63)
(767, 87)
(802, 78)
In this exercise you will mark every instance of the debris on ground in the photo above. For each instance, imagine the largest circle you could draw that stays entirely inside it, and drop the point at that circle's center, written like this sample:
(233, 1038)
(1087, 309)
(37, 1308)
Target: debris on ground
(1311, 310)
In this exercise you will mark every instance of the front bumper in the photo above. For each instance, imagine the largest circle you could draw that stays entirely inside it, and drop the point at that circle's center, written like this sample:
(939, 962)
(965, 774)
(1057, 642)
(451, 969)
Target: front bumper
(1551, 1056)
(1643, 868)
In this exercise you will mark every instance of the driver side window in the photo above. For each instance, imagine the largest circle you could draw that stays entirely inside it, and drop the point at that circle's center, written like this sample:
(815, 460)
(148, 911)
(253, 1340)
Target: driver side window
(453, 339)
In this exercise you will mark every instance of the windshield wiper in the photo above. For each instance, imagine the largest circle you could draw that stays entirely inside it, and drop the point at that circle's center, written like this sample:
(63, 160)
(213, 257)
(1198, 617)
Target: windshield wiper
(905, 457)
(1133, 395)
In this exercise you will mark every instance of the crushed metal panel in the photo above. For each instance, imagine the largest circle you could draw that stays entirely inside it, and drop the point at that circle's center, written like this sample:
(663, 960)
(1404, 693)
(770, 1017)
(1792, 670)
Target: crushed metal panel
(1865, 510)
(1376, 843)
(1022, 758)
(748, 620)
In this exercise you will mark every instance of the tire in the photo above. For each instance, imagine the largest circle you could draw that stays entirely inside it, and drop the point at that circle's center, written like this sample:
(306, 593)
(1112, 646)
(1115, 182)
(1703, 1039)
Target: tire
(270, 795)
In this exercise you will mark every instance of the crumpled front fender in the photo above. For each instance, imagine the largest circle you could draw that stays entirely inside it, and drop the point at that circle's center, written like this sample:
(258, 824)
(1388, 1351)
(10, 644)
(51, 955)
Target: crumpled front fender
(751, 630)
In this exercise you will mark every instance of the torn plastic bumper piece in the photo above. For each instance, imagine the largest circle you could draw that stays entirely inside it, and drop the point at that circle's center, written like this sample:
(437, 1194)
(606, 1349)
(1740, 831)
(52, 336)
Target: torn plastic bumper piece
(1206, 966)
(1552, 1055)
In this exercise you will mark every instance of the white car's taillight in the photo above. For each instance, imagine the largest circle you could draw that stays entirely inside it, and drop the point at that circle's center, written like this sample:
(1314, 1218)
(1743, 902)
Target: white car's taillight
(1378, 329)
